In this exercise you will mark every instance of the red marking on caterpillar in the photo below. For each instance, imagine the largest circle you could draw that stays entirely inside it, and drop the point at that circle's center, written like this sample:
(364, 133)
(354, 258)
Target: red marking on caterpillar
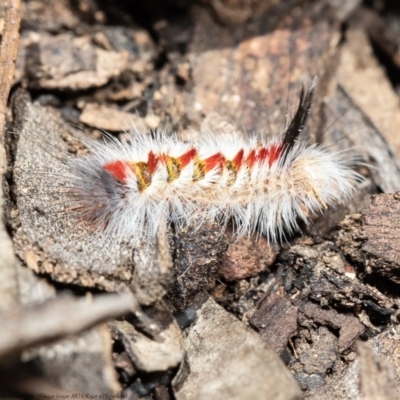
(152, 162)
(186, 158)
(216, 161)
(273, 154)
(118, 169)
(252, 158)
(237, 161)
(126, 189)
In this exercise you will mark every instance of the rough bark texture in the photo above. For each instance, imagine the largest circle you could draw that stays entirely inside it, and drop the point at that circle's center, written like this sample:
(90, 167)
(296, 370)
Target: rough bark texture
(313, 318)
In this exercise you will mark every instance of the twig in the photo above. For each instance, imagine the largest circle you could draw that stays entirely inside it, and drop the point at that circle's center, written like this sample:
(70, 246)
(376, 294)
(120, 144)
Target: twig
(8, 55)
(24, 327)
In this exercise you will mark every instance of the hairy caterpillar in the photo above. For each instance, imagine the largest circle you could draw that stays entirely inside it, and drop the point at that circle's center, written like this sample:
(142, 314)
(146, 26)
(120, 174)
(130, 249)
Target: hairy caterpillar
(125, 189)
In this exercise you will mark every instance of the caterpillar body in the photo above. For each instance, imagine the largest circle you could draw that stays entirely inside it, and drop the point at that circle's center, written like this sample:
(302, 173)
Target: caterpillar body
(125, 189)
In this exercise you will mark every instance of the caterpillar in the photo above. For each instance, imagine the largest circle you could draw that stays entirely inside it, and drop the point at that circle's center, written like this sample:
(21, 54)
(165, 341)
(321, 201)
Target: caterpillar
(264, 186)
